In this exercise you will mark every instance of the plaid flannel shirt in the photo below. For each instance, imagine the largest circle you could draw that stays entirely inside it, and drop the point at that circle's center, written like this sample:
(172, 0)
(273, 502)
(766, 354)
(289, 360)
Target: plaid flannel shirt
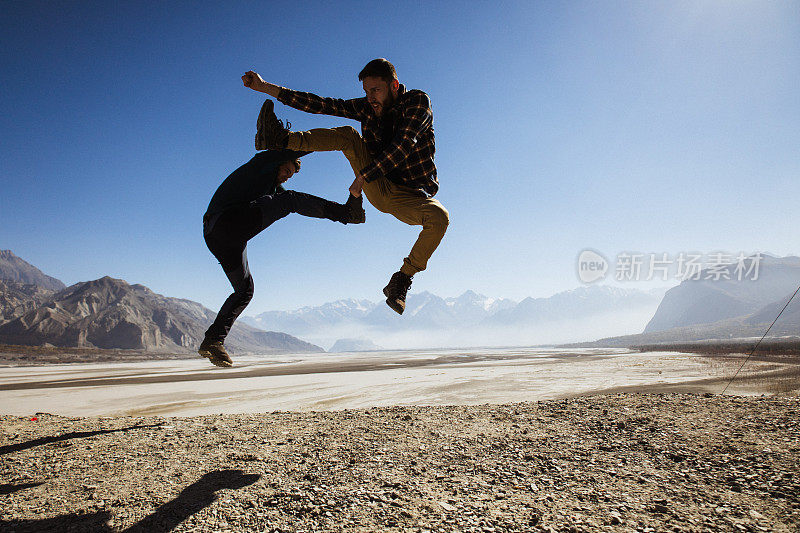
(401, 141)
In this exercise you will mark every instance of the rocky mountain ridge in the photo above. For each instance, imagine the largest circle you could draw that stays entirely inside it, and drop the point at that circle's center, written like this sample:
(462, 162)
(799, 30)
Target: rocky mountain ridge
(707, 300)
(724, 309)
(110, 313)
(13, 268)
(17, 298)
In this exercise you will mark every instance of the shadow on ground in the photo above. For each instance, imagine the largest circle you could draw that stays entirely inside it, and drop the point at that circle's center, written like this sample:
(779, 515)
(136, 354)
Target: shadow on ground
(191, 500)
(10, 488)
(10, 448)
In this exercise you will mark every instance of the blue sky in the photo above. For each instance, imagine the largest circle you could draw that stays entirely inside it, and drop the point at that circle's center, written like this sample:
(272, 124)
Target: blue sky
(618, 126)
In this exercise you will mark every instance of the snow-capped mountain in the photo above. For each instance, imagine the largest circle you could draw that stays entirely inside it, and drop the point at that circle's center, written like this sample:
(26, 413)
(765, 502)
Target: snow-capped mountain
(423, 309)
(313, 318)
(469, 319)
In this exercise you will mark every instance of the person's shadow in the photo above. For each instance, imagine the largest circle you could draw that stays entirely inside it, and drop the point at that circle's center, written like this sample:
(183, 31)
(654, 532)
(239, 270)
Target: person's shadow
(10, 448)
(10, 488)
(192, 499)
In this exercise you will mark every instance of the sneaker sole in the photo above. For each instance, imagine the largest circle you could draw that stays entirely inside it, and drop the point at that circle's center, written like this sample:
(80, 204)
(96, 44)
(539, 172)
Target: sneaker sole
(395, 306)
(215, 361)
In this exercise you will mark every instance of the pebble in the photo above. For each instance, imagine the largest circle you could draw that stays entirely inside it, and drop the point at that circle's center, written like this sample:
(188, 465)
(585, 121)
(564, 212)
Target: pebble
(642, 462)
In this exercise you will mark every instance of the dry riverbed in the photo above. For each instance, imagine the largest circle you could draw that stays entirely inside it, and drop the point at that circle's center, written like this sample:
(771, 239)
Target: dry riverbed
(622, 462)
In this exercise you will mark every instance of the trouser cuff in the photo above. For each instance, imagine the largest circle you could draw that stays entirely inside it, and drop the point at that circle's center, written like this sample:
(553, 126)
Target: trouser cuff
(408, 270)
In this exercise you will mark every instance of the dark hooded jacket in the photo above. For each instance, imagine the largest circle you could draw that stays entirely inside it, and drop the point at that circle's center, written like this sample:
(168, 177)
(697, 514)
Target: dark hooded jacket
(252, 180)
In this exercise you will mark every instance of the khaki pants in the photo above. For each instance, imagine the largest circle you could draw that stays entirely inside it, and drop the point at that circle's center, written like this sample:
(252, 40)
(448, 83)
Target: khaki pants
(407, 205)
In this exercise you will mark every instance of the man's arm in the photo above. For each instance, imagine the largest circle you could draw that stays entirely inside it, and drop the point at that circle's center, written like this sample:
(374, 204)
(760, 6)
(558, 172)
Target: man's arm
(254, 81)
(310, 103)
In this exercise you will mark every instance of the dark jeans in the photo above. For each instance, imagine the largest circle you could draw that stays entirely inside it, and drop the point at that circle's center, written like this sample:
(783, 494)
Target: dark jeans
(227, 236)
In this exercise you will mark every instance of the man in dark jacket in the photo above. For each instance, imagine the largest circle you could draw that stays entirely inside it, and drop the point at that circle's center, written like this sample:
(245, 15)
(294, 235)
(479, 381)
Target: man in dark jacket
(247, 202)
(392, 158)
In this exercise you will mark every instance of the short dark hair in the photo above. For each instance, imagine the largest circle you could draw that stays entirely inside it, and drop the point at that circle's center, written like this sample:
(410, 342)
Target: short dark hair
(378, 68)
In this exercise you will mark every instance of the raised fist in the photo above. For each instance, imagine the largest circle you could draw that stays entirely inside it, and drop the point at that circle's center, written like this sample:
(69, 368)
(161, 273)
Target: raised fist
(253, 80)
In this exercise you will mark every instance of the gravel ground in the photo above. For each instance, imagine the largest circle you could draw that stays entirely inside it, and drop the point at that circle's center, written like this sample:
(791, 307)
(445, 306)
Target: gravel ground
(623, 462)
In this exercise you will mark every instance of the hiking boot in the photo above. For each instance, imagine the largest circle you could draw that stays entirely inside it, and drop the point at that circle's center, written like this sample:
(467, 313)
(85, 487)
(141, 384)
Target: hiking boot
(396, 291)
(215, 352)
(270, 131)
(355, 210)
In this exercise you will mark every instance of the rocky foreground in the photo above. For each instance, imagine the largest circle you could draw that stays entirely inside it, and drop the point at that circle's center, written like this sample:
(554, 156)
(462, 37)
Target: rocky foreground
(629, 462)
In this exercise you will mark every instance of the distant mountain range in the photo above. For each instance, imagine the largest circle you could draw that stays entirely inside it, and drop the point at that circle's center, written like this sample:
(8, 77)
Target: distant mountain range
(470, 319)
(110, 313)
(423, 310)
(37, 309)
(706, 309)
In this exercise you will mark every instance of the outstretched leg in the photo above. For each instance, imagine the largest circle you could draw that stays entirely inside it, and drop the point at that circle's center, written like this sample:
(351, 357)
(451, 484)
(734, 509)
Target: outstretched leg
(347, 140)
(276, 206)
(343, 139)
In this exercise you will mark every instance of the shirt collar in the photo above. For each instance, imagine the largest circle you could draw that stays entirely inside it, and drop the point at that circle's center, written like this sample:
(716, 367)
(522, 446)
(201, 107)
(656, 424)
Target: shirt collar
(400, 92)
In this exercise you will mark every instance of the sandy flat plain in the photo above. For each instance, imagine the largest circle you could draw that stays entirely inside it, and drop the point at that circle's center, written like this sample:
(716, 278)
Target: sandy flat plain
(320, 382)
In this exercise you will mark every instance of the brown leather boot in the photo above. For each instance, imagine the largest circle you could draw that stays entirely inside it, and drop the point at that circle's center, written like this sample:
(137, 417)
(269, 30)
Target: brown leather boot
(215, 352)
(270, 131)
(396, 291)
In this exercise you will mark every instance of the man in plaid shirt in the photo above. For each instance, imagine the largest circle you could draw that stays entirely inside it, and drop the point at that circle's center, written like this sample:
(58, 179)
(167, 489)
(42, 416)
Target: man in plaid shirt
(392, 158)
